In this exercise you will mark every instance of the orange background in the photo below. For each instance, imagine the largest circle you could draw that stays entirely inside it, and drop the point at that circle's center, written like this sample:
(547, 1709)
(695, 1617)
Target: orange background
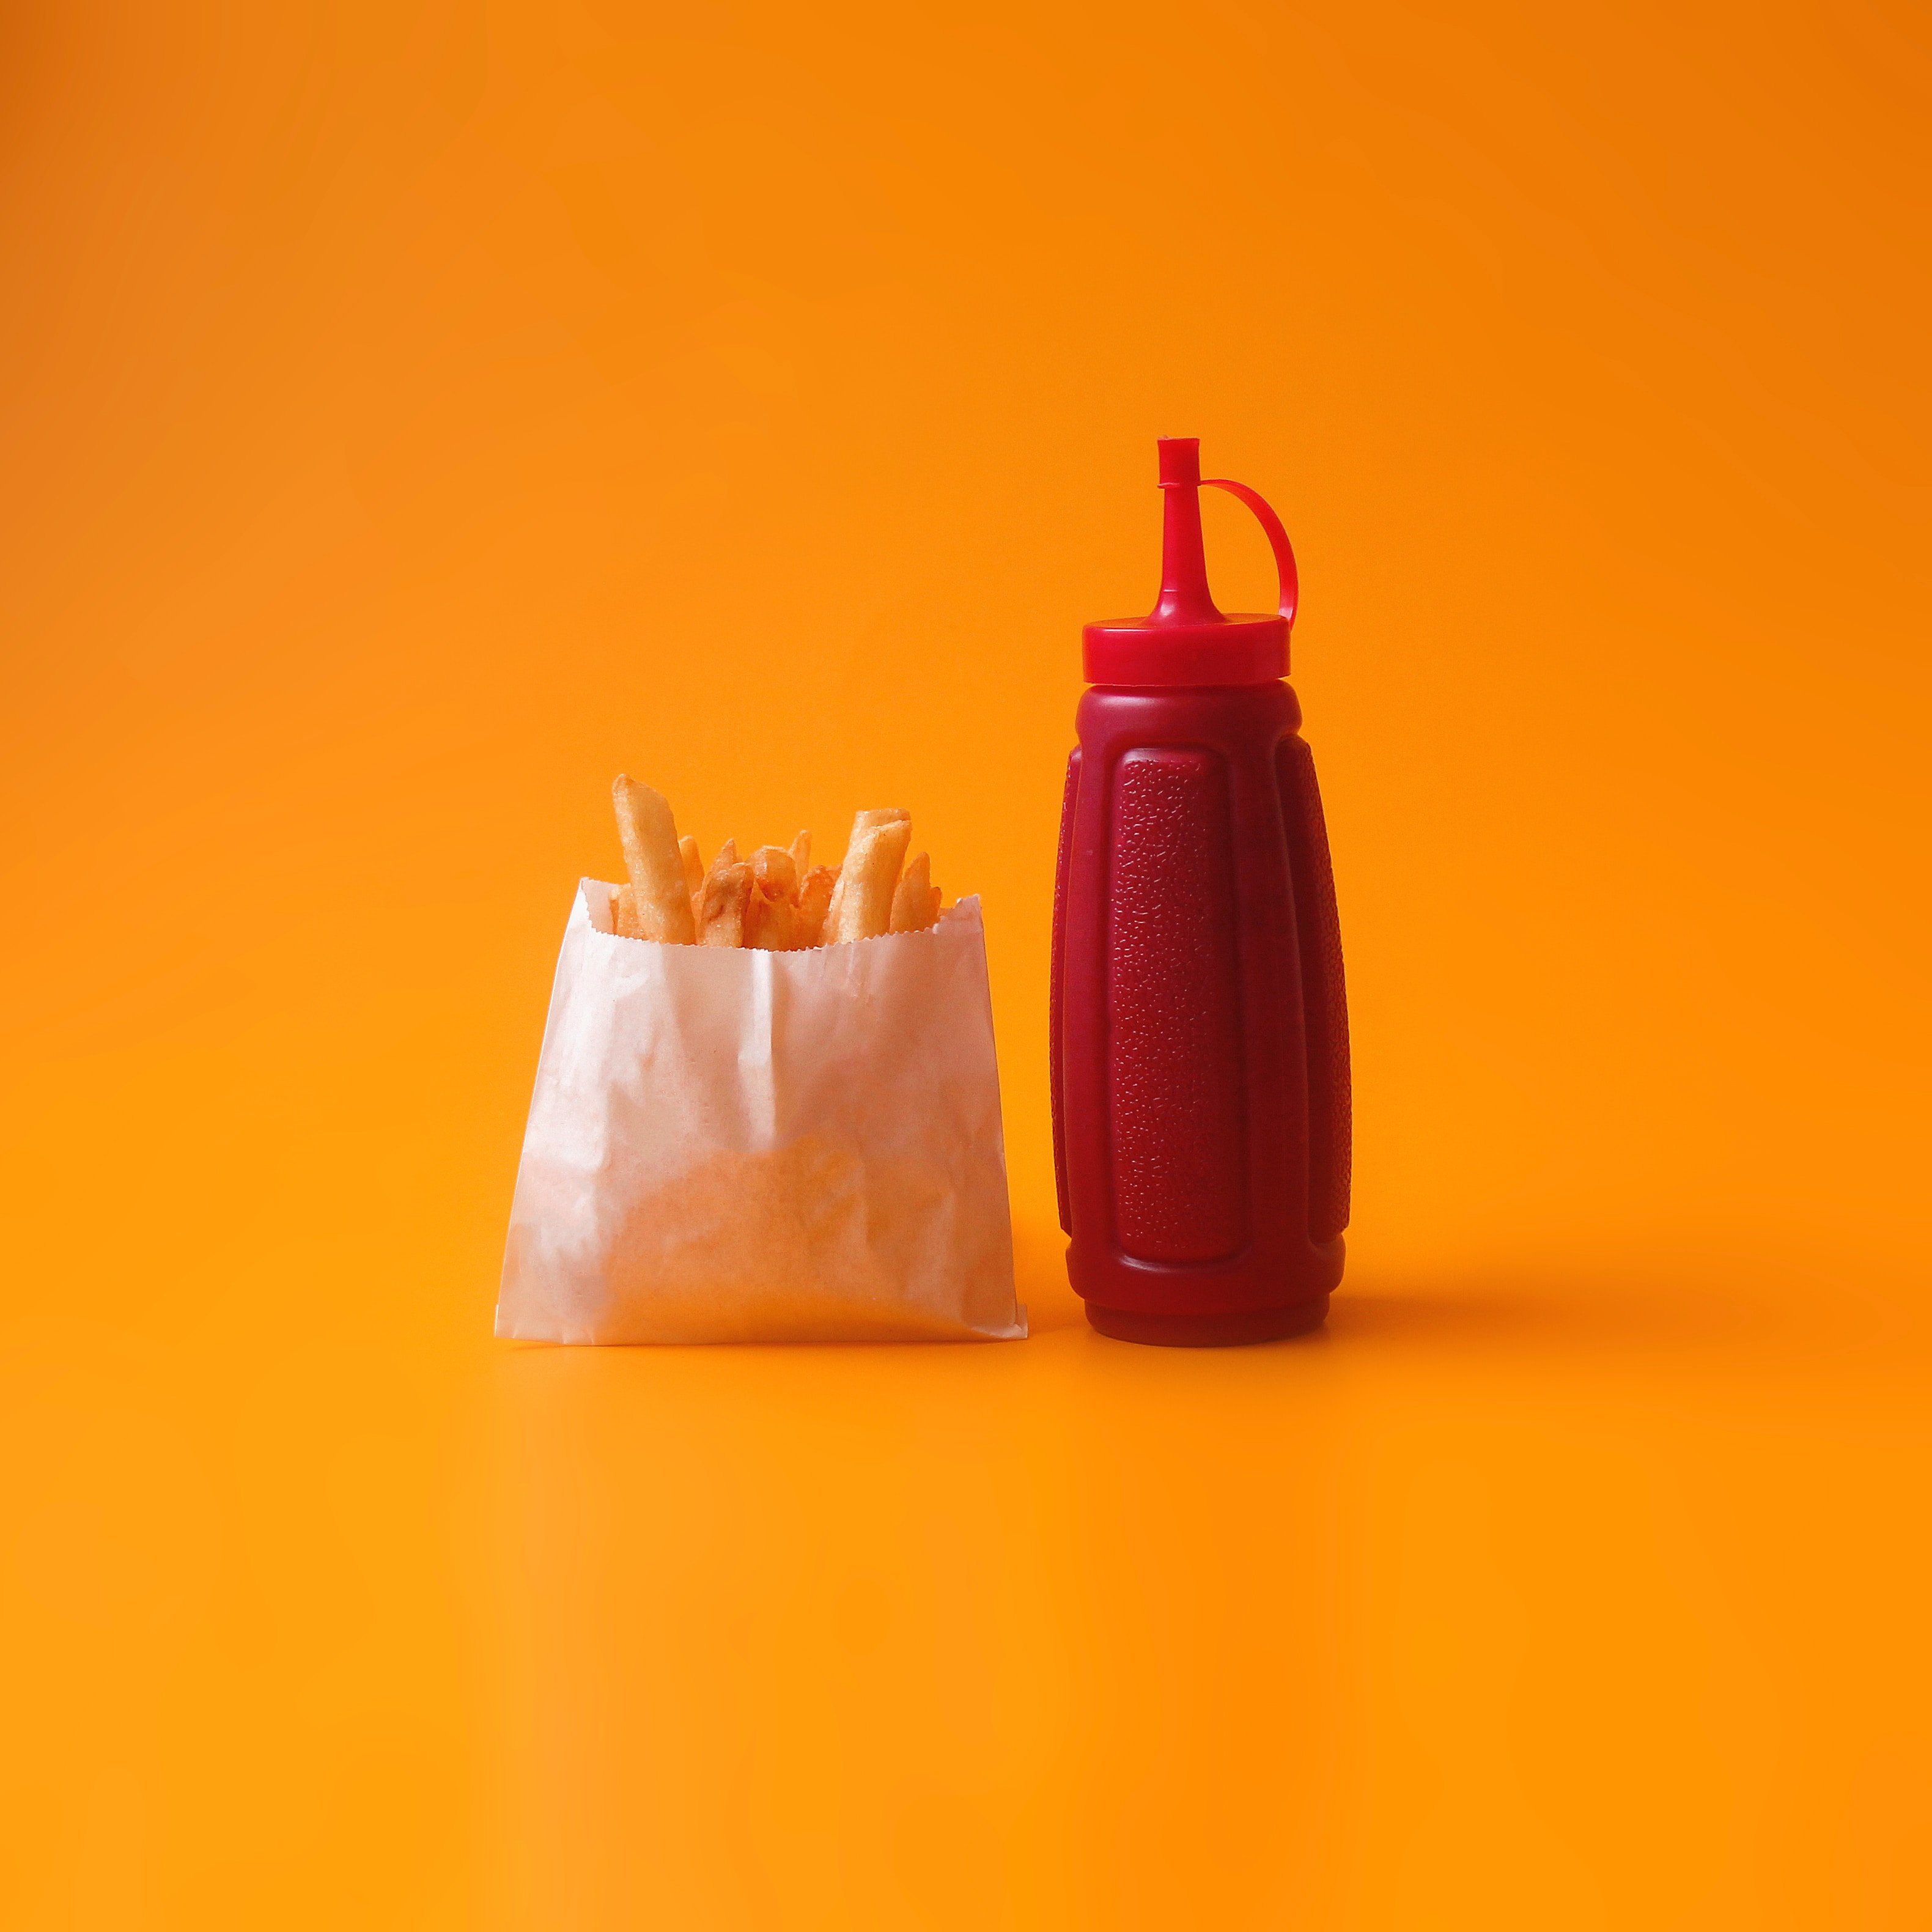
(410, 415)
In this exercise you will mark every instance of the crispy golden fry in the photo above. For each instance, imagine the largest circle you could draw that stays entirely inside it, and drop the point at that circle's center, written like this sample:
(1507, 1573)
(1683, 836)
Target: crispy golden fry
(694, 866)
(652, 858)
(862, 822)
(862, 907)
(723, 904)
(814, 901)
(771, 920)
(727, 857)
(776, 875)
(801, 854)
(915, 902)
(624, 914)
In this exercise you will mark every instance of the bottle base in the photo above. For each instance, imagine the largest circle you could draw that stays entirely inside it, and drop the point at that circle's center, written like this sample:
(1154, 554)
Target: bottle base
(1233, 1330)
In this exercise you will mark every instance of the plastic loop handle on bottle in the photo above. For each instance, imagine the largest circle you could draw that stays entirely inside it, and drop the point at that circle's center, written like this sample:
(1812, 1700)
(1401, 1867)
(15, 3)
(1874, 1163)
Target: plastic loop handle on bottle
(1287, 578)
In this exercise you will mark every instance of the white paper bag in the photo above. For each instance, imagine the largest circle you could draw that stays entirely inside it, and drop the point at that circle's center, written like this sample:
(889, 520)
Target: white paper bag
(727, 1145)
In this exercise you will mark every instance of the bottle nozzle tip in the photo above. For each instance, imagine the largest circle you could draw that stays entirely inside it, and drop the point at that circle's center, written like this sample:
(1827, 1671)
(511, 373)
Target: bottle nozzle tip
(1179, 459)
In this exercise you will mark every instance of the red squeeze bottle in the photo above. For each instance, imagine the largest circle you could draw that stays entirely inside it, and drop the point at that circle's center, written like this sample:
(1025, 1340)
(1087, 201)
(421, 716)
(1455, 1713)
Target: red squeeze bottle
(1200, 1035)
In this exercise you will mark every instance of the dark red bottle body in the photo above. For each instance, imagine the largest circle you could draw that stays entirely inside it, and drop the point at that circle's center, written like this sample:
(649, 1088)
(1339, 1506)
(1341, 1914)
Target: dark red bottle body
(1199, 1025)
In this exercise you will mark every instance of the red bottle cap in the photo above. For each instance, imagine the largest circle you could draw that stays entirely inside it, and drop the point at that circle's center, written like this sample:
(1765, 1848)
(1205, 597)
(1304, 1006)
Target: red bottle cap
(1184, 639)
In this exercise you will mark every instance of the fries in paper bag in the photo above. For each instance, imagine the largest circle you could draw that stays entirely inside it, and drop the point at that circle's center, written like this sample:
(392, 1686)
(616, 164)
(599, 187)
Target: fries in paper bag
(767, 1105)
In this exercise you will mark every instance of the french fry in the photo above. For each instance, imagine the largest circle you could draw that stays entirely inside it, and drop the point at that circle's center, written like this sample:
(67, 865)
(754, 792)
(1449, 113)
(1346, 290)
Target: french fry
(864, 821)
(727, 855)
(862, 907)
(801, 854)
(916, 901)
(772, 867)
(814, 901)
(723, 903)
(771, 920)
(694, 866)
(662, 904)
(624, 913)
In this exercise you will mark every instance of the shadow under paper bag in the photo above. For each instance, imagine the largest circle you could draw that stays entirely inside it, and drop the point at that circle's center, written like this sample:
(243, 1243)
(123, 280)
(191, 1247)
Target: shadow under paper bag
(727, 1145)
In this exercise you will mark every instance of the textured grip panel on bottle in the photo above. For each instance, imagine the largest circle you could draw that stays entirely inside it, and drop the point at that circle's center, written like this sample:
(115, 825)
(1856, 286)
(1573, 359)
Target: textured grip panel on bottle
(1330, 1117)
(1056, 996)
(1178, 1121)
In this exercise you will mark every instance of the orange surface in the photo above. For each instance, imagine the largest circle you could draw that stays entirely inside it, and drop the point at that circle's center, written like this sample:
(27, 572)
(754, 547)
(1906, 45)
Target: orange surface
(408, 416)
